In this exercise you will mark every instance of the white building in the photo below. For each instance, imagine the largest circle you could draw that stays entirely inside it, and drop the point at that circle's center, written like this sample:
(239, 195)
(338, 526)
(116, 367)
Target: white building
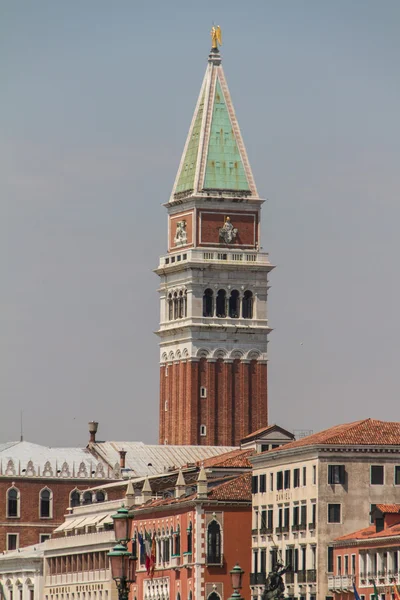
(21, 573)
(311, 491)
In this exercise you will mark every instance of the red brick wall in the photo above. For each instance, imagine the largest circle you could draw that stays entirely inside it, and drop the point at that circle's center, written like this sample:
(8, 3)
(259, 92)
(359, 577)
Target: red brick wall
(236, 402)
(29, 525)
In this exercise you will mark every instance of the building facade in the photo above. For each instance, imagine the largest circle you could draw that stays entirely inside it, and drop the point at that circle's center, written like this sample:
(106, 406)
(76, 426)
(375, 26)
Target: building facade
(21, 573)
(308, 492)
(199, 535)
(213, 284)
(368, 556)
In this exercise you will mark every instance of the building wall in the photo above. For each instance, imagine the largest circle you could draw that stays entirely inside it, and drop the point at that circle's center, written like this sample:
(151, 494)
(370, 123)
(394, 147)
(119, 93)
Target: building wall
(189, 576)
(235, 402)
(355, 498)
(29, 525)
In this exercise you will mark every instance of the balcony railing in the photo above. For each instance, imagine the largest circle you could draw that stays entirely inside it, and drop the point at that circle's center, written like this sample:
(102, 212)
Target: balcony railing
(215, 256)
(289, 577)
(175, 560)
(258, 578)
(340, 582)
(301, 576)
(312, 525)
(311, 576)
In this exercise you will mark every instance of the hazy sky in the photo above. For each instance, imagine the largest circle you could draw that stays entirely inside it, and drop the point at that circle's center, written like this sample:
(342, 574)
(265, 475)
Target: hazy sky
(96, 101)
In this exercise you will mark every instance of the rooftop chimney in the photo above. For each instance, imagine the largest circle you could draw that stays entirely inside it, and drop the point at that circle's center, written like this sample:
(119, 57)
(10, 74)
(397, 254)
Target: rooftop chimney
(202, 487)
(146, 490)
(93, 425)
(122, 454)
(180, 486)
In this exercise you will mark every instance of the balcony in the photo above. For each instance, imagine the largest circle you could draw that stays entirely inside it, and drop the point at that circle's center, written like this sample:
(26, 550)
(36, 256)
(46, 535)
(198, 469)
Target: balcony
(278, 530)
(311, 525)
(266, 530)
(340, 583)
(289, 577)
(187, 558)
(216, 256)
(301, 576)
(258, 578)
(311, 576)
(175, 561)
(254, 531)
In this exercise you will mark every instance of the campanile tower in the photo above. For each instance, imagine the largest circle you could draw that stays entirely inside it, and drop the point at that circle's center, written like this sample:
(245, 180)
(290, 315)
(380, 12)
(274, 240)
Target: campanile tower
(213, 283)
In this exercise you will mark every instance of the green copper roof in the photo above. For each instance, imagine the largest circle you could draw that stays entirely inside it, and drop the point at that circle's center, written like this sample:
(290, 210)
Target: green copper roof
(186, 178)
(224, 168)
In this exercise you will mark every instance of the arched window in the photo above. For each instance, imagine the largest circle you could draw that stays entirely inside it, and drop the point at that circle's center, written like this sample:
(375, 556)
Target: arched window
(100, 496)
(170, 307)
(142, 557)
(46, 501)
(189, 538)
(13, 502)
(221, 303)
(208, 308)
(167, 547)
(214, 543)
(177, 549)
(87, 498)
(234, 304)
(203, 430)
(247, 309)
(175, 305)
(74, 498)
(214, 596)
(185, 304)
(180, 305)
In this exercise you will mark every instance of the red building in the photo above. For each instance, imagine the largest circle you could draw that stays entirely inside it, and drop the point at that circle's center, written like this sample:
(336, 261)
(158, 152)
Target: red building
(200, 533)
(213, 284)
(368, 556)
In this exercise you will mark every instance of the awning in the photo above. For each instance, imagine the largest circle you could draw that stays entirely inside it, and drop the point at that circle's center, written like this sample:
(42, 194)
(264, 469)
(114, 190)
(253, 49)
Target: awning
(68, 524)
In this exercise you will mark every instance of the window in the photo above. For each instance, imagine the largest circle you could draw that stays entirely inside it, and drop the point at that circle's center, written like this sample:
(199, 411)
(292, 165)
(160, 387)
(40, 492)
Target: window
(264, 519)
(304, 476)
(214, 543)
(263, 486)
(303, 515)
(314, 513)
(286, 517)
(271, 482)
(175, 305)
(330, 559)
(279, 480)
(203, 392)
(46, 498)
(397, 475)
(170, 307)
(377, 475)
(339, 565)
(43, 537)
(280, 516)
(13, 502)
(296, 478)
(189, 532)
(247, 305)
(87, 498)
(254, 484)
(12, 541)
(295, 516)
(255, 561)
(177, 548)
(234, 304)
(336, 474)
(287, 480)
(372, 507)
(353, 564)
(314, 474)
(334, 513)
(346, 564)
(74, 498)
(203, 430)
(100, 496)
(221, 304)
(263, 561)
(270, 519)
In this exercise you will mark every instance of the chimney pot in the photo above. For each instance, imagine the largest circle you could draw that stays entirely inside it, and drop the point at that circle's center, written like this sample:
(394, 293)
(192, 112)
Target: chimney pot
(122, 454)
(93, 425)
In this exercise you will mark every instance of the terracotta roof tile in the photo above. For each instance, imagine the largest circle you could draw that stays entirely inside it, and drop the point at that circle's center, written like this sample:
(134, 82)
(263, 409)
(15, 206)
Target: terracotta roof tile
(233, 459)
(389, 508)
(238, 489)
(368, 432)
(370, 533)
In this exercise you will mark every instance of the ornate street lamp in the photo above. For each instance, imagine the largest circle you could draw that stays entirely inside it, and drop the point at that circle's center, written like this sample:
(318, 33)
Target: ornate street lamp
(122, 562)
(236, 581)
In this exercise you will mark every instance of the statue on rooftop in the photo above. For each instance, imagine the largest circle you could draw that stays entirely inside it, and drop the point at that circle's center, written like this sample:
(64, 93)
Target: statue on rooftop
(216, 37)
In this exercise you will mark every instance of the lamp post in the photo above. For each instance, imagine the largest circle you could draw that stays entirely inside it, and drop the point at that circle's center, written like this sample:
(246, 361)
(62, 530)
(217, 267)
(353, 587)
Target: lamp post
(122, 562)
(236, 581)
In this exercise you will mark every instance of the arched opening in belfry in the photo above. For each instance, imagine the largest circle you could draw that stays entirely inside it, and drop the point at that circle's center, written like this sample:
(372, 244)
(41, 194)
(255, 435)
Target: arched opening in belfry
(248, 305)
(208, 308)
(234, 304)
(221, 303)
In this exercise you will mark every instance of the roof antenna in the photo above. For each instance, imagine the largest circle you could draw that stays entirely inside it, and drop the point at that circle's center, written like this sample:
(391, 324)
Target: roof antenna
(22, 430)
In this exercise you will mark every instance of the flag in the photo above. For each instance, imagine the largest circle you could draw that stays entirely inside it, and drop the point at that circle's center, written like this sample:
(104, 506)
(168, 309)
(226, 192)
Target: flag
(153, 557)
(376, 593)
(148, 544)
(396, 592)
(356, 596)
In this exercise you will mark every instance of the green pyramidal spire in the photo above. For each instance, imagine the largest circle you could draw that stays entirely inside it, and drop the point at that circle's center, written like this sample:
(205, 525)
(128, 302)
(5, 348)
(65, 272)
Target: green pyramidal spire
(214, 159)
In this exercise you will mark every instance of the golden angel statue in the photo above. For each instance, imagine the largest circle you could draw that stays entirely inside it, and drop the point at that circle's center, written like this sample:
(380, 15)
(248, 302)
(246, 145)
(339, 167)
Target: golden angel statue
(216, 37)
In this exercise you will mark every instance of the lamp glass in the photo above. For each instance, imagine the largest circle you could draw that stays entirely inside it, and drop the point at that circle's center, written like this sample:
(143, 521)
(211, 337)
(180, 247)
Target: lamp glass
(117, 566)
(131, 569)
(121, 526)
(236, 577)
